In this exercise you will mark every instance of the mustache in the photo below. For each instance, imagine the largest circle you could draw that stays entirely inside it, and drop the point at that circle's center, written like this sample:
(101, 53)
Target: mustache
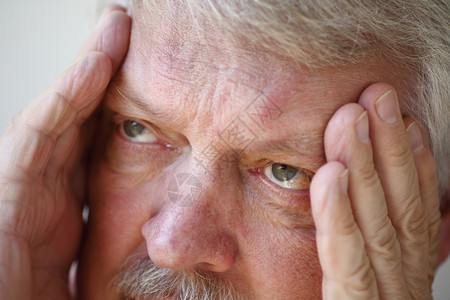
(142, 279)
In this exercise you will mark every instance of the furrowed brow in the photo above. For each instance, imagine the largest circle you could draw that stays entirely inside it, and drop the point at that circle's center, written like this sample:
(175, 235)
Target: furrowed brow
(308, 145)
(127, 98)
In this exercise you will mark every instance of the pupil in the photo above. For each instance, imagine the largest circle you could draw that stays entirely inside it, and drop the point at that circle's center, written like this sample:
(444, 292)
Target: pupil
(132, 128)
(283, 172)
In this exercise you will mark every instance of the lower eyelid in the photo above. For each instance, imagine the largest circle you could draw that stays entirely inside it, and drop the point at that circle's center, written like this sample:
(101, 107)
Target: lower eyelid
(288, 200)
(128, 158)
(262, 177)
(296, 186)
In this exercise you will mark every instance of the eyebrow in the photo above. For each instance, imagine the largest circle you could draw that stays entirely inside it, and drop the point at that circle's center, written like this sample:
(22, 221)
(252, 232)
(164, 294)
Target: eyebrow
(126, 97)
(307, 144)
(300, 145)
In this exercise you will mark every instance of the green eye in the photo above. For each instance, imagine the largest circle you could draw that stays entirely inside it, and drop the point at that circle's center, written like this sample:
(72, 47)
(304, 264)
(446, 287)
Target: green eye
(287, 176)
(283, 172)
(132, 128)
(137, 132)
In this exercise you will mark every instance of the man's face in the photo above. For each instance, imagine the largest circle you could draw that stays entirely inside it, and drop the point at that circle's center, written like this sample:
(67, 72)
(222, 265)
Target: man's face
(207, 167)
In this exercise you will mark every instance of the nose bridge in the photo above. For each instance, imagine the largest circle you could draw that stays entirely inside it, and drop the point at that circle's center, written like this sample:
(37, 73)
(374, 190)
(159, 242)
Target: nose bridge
(184, 189)
(209, 170)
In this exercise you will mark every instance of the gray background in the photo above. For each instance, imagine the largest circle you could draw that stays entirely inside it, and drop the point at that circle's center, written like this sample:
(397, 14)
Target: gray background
(39, 39)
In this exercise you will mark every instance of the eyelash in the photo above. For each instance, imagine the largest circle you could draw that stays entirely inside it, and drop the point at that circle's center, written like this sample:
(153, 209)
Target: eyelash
(259, 171)
(295, 200)
(159, 143)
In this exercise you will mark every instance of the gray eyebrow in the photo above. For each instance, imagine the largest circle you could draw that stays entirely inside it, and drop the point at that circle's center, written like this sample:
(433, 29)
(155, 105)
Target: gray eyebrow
(307, 144)
(125, 96)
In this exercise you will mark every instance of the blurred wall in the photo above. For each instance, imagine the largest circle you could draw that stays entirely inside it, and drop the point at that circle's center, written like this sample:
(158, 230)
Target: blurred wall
(39, 39)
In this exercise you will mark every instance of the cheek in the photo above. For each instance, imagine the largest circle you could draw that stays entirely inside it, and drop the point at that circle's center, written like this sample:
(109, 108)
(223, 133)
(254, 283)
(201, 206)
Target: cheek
(285, 261)
(131, 165)
(116, 217)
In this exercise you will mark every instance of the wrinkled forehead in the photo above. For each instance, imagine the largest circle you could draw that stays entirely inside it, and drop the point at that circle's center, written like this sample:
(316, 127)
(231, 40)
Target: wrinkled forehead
(172, 45)
(312, 34)
(181, 40)
(169, 39)
(189, 38)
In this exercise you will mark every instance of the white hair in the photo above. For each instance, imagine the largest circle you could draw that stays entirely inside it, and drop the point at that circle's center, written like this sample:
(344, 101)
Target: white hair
(412, 34)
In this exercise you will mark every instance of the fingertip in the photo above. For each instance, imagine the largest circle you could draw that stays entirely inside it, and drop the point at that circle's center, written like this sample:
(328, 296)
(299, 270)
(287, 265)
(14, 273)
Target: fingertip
(339, 131)
(343, 118)
(423, 157)
(372, 93)
(114, 7)
(417, 136)
(329, 182)
(115, 38)
(112, 37)
(110, 8)
(87, 79)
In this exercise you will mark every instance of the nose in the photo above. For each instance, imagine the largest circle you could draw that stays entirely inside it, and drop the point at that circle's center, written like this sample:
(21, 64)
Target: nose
(190, 230)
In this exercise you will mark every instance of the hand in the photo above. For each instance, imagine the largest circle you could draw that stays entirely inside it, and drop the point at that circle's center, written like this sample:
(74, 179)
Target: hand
(40, 217)
(375, 203)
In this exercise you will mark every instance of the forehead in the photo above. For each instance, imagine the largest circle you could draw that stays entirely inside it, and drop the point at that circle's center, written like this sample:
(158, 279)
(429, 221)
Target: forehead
(204, 83)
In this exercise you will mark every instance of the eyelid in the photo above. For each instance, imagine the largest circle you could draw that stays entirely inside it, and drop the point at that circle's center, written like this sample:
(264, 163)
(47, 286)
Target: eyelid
(301, 172)
(284, 198)
(161, 139)
(118, 118)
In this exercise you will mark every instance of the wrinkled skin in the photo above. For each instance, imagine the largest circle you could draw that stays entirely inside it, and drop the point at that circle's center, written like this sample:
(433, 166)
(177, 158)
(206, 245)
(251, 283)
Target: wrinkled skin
(365, 228)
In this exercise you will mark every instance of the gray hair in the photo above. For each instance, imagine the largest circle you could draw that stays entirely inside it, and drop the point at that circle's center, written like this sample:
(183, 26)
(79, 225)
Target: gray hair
(142, 279)
(413, 34)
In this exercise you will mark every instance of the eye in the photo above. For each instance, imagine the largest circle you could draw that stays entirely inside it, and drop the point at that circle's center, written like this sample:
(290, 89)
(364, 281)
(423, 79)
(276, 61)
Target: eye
(137, 132)
(288, 176)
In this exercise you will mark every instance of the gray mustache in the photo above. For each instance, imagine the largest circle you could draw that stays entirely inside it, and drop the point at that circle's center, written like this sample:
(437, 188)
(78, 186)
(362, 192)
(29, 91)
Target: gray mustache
(142, 279)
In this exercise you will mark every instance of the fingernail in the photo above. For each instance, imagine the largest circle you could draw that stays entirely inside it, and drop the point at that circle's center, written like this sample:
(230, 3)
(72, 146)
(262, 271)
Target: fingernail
(344, 181)
(415, 137)
(362, 127)
(386, 107)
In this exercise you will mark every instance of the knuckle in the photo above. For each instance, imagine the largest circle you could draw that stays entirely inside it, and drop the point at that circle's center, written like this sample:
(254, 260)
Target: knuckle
(434, 226)
(413, 223)
(59, 113)
(434, 241)
(358, 283)
(346, 227)
(368, 175)
(398, 152)
(361, 277)
(384, 242)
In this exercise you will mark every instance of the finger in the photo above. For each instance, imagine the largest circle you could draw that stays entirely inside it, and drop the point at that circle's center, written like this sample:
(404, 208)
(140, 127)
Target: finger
(111, 8)
(347, 141)
(111, 35)
(429, 189)
(347, 273)
(395, 165)
(30, 137)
